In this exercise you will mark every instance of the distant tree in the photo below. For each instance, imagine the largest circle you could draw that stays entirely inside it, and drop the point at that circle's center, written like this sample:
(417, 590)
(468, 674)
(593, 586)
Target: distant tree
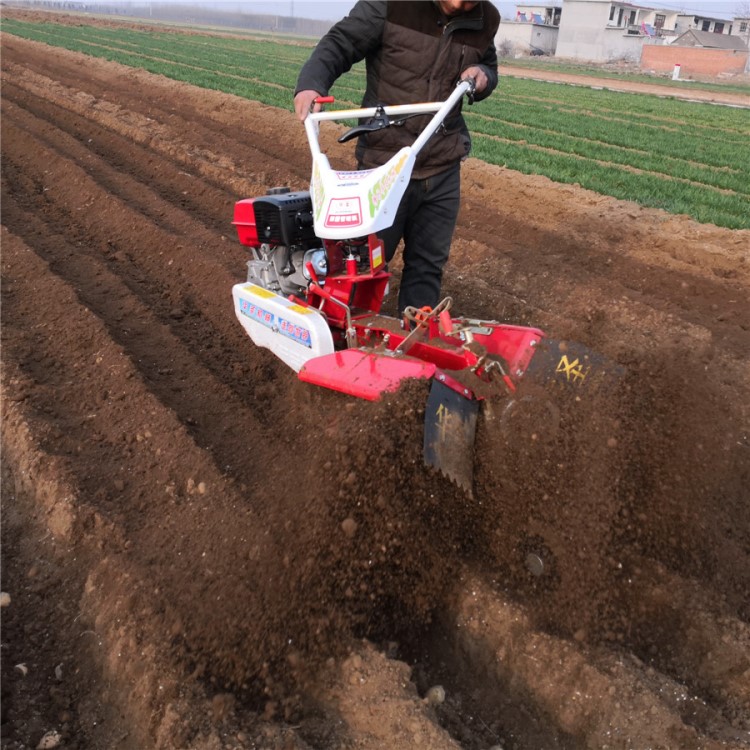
(742, 11)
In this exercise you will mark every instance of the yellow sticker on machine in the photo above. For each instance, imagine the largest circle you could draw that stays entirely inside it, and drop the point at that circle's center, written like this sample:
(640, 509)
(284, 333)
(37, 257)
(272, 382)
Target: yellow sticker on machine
(258, 291)
(376, 256)
(299, 309)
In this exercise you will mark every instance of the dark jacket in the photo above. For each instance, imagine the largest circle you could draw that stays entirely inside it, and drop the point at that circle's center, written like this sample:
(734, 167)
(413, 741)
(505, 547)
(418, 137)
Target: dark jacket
(413, 53)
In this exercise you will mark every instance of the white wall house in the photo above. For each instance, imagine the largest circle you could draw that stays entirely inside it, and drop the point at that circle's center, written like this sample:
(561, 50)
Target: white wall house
(533, 30)
(540, 13)
(608, 30)
(703, 23)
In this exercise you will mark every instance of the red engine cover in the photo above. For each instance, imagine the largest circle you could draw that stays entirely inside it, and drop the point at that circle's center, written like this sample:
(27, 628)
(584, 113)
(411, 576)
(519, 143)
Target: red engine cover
(244, 220)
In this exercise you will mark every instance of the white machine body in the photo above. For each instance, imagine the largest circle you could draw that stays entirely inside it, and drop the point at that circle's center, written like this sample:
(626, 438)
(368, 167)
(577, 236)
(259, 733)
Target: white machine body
(294, 333)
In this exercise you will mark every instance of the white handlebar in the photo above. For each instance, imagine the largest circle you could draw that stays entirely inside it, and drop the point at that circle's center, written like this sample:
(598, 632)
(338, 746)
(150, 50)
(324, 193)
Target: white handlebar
(440, 110)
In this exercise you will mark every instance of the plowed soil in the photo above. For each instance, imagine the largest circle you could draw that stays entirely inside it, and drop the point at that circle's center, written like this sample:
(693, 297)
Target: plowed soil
(200, 551)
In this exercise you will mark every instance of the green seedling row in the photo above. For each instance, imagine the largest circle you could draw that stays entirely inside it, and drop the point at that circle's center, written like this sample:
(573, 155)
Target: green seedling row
(641, 159)
(728, 210)
(705, 116)
(683, 157)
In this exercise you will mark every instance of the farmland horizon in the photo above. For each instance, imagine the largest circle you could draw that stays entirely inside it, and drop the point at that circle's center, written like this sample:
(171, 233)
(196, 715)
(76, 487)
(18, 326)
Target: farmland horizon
(333, 10)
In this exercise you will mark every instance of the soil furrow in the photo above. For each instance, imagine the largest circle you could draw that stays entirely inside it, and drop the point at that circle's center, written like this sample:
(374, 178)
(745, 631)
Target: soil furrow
(125, 177)
(514, 656)
(216, 418)
(187, 137)
(161, 267)
(620, 276)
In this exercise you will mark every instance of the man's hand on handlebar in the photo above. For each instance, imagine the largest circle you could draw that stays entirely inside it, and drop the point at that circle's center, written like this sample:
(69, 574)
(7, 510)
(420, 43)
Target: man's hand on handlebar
(304, 103)
(479, 76)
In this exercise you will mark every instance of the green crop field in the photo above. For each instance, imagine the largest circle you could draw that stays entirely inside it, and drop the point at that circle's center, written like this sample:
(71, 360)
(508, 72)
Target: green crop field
(683, 157)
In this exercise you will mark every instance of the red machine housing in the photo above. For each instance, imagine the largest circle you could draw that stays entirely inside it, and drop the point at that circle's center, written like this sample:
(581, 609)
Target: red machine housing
(375, 353)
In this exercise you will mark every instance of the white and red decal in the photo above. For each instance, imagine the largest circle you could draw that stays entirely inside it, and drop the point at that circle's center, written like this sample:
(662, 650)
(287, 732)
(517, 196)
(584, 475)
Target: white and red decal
(344, 212)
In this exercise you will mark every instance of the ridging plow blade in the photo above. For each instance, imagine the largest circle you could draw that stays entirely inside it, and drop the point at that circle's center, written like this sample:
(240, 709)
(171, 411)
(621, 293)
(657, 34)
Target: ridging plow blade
(449, 430)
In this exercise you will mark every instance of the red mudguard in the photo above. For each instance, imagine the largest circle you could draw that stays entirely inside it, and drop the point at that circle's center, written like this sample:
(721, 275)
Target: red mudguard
(363, 374)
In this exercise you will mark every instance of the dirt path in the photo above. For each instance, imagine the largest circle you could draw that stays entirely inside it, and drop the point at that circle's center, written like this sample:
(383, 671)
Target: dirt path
(618, 84)
(174, 501)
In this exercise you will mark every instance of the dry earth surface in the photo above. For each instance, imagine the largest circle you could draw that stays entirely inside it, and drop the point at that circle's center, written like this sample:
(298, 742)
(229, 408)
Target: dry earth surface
(202, 552)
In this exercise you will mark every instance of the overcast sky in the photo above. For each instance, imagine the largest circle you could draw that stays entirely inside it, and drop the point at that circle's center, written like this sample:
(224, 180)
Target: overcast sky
(335, 9)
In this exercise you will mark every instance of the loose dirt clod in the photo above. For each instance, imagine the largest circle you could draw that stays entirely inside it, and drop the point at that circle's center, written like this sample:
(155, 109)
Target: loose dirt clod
(50, 740)
(349, 527)
(436, 695)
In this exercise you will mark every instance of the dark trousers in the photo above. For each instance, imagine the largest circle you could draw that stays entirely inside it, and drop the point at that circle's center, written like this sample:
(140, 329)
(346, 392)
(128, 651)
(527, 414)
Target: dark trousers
(425, 219)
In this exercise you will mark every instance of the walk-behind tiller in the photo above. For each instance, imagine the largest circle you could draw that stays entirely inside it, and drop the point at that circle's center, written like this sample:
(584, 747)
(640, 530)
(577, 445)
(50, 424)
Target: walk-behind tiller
(317, 279)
